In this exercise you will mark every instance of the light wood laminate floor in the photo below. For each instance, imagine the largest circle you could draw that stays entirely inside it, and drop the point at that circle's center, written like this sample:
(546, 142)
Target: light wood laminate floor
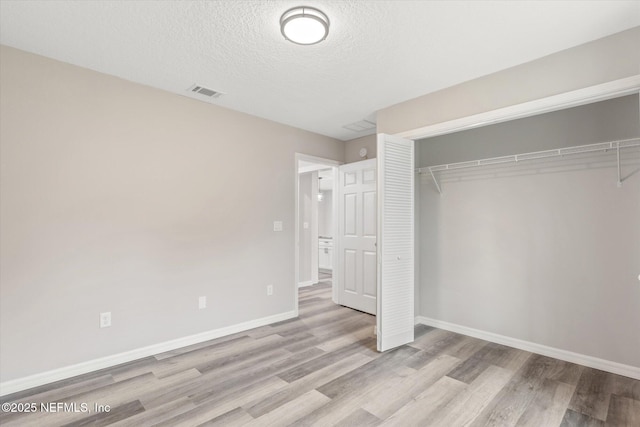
(322, 369)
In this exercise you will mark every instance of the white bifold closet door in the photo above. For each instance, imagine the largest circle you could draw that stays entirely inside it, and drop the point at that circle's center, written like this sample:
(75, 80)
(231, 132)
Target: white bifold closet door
(395, 313)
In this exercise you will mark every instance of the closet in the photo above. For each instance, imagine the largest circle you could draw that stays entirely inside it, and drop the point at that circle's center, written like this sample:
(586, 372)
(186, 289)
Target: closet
(530, 230)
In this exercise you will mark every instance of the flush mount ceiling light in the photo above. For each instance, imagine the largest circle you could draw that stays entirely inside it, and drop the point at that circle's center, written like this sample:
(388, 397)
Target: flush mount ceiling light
(304, 25)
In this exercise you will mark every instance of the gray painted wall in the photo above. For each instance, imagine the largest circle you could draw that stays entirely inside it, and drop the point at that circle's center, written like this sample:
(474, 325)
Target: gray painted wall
(325, 215)
(304, 212)
(588, 124)
(308, 211)
(600, 61)
(545, 251)
(119, 197)
(353, 146)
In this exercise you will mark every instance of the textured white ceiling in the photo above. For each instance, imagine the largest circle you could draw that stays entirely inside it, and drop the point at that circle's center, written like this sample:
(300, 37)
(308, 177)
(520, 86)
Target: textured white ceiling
(378, 53)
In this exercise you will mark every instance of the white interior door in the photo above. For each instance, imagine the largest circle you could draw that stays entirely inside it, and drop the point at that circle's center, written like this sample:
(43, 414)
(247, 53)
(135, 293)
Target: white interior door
(395, 318)
(357, 209)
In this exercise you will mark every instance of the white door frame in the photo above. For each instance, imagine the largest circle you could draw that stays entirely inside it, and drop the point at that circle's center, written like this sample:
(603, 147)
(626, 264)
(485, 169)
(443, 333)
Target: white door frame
(574, 98)
(583, 96)
(330, 164)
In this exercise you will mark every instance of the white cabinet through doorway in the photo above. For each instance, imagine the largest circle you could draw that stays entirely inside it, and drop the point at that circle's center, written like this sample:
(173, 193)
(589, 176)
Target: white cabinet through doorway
(325, 253)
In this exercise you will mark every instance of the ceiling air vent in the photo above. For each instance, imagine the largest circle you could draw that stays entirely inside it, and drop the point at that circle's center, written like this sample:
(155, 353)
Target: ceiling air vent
(361, 126)
(201, 90)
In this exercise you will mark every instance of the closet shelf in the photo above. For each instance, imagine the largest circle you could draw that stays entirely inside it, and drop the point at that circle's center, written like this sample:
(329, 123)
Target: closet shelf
(579, 149)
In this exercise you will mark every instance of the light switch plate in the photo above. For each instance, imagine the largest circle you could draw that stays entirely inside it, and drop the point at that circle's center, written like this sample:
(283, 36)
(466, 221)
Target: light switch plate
(305, 225)
(277, 225)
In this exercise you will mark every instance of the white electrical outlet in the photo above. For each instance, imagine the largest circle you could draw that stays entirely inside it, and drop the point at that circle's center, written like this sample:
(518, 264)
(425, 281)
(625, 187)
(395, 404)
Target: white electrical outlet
(270, 290)
(105, 319)
(277, 225)
(202, 302)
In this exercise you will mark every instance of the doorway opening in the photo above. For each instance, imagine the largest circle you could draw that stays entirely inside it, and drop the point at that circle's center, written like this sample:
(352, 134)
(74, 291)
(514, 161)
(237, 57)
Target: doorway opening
(315, 225)
(336, 228)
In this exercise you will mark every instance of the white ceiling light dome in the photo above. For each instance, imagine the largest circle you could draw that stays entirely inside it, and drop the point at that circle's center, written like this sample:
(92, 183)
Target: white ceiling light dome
(304, 25)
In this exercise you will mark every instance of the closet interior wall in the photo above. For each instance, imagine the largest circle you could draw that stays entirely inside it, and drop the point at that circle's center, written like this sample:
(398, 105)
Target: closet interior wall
(546, 251)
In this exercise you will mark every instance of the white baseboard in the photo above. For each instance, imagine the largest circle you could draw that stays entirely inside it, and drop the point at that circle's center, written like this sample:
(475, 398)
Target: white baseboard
(568, 356)
(25, 383)
(305, 284)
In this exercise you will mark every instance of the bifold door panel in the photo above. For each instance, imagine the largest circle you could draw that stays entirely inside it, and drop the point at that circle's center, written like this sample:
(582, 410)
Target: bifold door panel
(395, 313)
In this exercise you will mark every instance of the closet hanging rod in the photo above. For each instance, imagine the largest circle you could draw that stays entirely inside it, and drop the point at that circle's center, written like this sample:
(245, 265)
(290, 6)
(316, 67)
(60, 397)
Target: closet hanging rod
(579, 149)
